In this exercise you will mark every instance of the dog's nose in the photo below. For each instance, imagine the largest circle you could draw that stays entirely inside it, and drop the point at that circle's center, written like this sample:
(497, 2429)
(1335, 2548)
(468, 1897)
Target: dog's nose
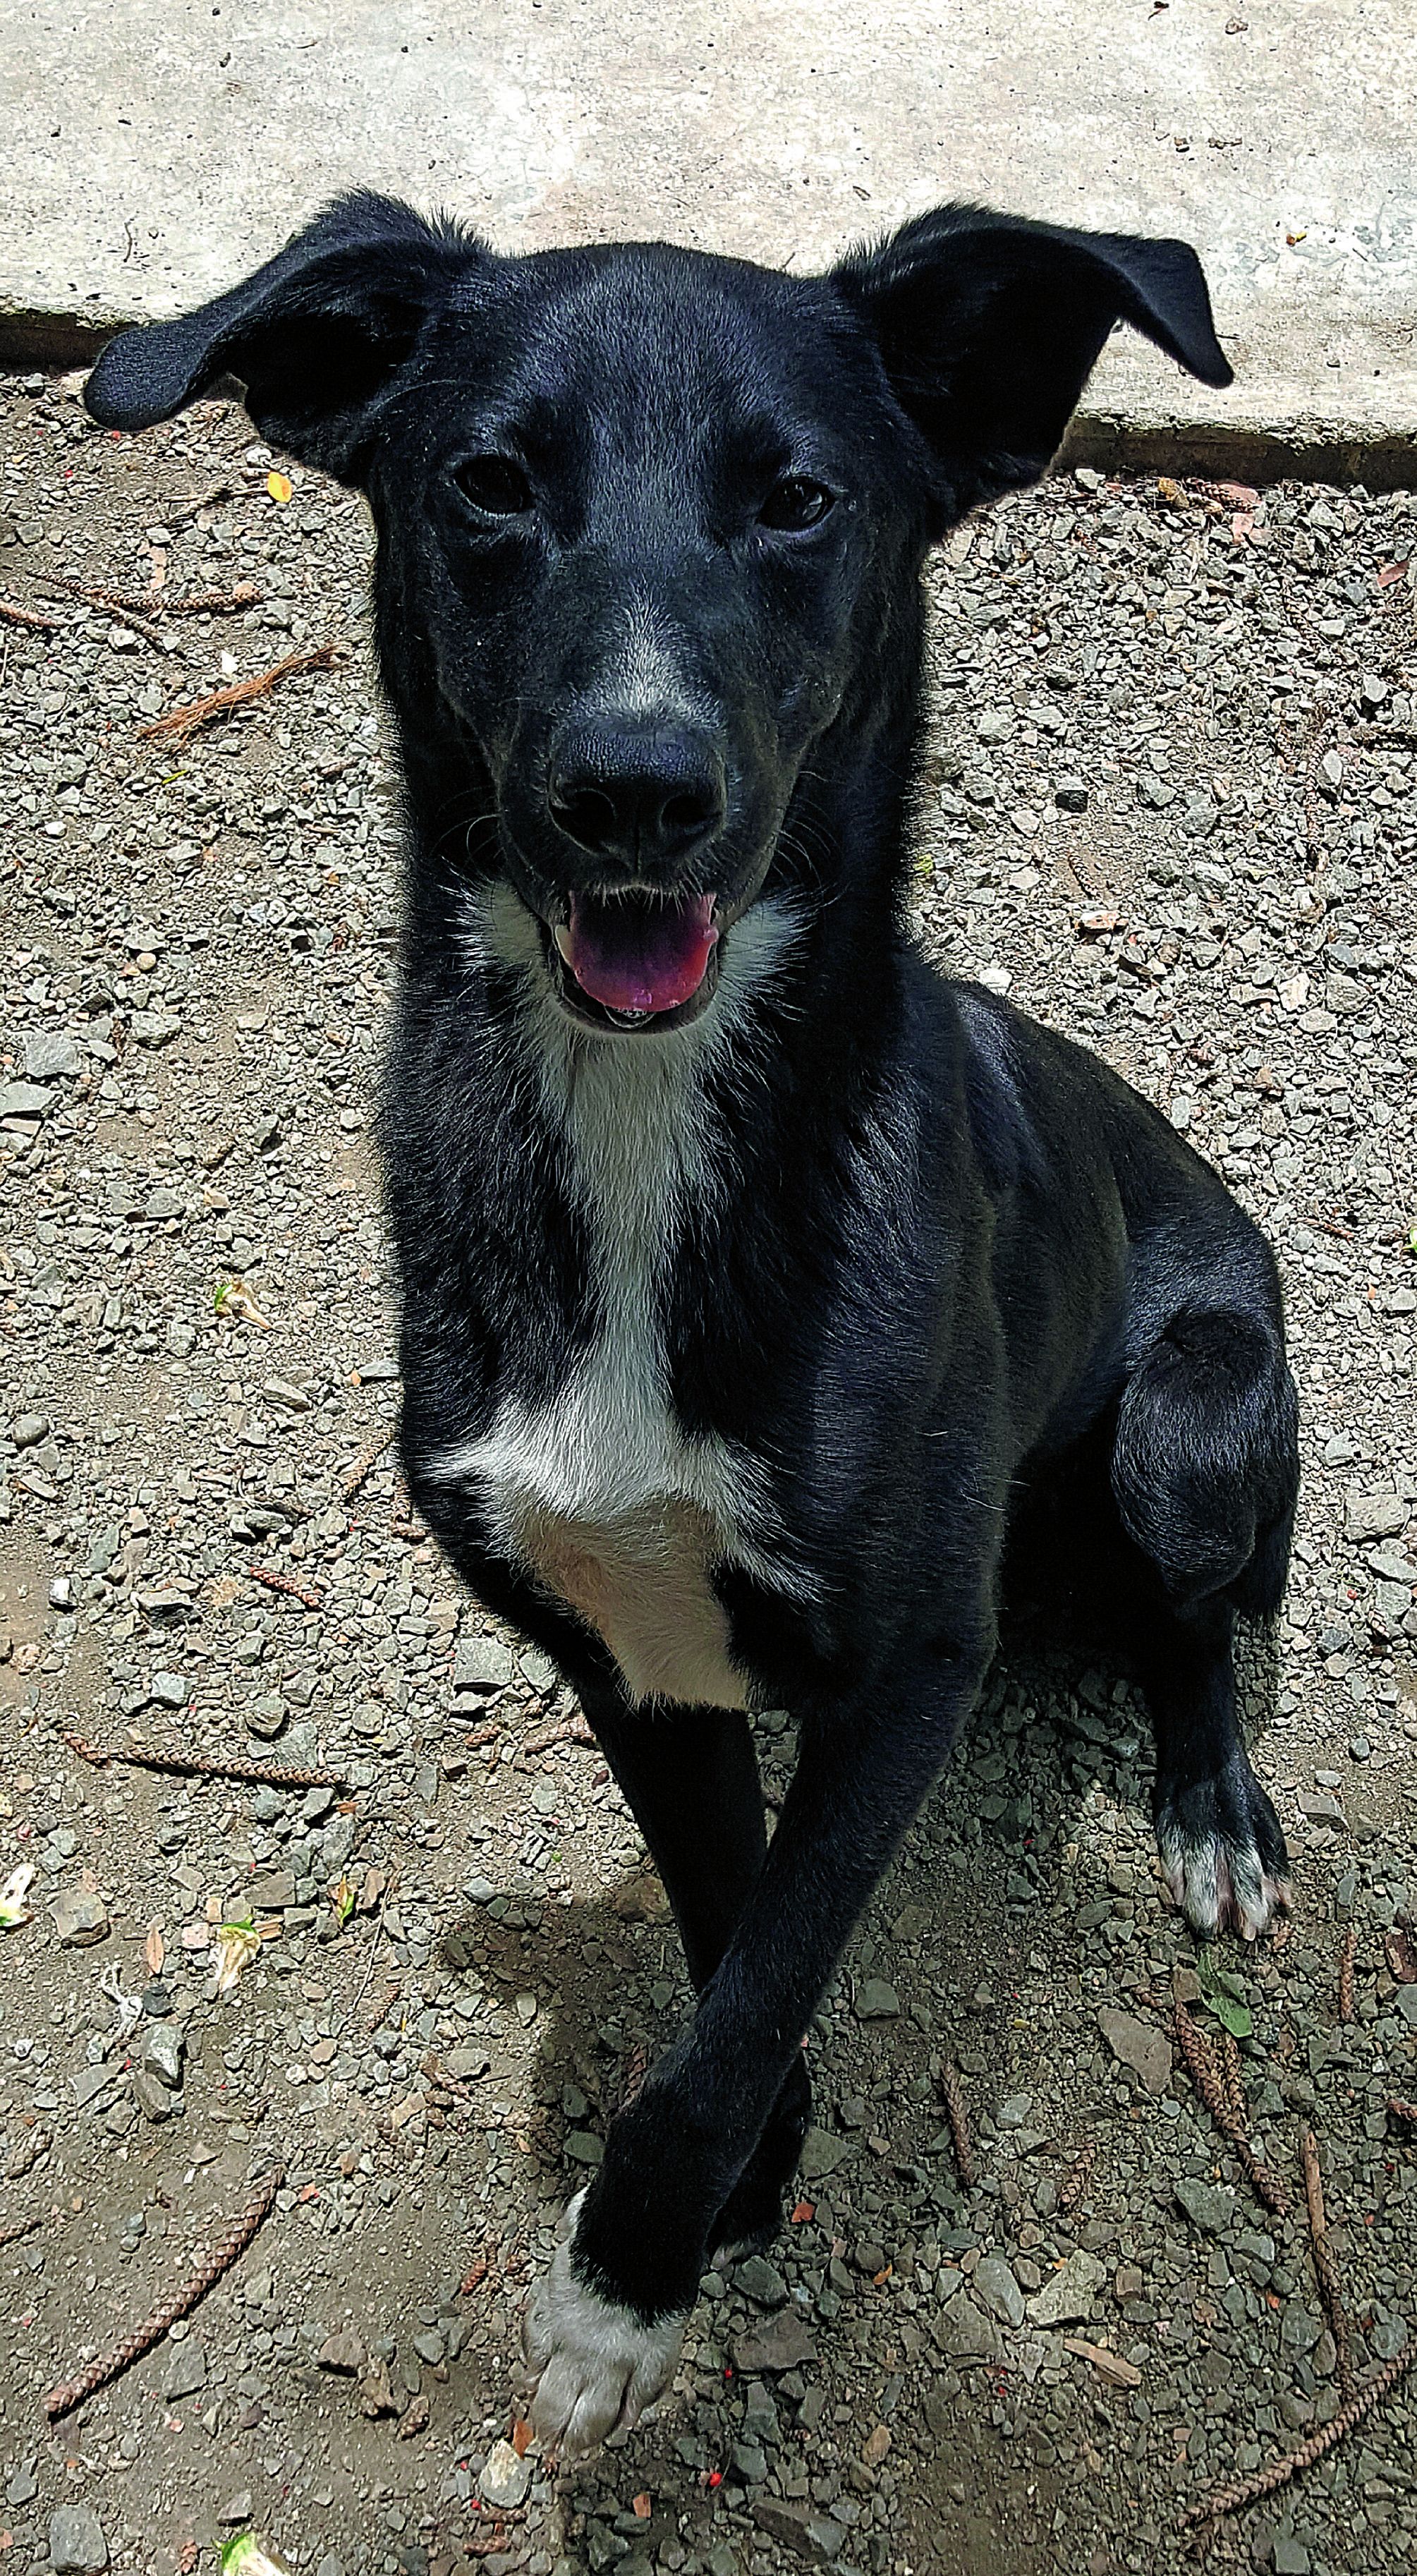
(635, 795)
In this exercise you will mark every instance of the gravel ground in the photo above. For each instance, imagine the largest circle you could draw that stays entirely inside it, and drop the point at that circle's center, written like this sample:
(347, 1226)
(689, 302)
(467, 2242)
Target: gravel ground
(1171, 803)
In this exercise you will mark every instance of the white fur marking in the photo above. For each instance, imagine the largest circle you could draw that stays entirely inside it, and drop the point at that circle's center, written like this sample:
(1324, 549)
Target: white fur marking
(1217, 1883)
(598, 1490)
(594, 2366)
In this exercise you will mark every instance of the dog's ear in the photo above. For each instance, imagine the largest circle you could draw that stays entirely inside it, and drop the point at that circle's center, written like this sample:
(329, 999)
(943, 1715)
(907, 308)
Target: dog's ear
(313, 337)
(989, 326)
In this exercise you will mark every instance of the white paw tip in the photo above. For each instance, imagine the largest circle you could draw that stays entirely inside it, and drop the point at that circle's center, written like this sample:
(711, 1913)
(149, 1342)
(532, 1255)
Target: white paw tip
(592, 2366)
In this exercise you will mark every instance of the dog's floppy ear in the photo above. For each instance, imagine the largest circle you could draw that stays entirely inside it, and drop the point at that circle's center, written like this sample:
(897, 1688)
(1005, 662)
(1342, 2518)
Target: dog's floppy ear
(312, 337)
(989, 326)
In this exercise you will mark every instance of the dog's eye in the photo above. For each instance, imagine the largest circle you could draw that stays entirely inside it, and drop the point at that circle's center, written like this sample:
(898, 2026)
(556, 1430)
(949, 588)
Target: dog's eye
(494, 484)
(795, 503)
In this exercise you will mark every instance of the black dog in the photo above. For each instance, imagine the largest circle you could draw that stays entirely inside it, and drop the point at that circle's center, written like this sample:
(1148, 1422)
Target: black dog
(754, 1276)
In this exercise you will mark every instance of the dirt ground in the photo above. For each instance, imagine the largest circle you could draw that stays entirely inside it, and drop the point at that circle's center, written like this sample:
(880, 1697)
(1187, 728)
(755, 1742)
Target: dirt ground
(1171, 805)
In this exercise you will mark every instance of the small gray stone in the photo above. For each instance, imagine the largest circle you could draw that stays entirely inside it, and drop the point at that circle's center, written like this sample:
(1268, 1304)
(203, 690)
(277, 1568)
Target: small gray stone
(994, 2283)
(152, 2097)
(181, 1340)
(271, 1892)
(822, 2153)
(1209, 2205)
(482, 1664)
(1070, 2295)
(187, 2370)
(237, 2507)
(964, 2333)
(584, 2147)
(466, 2064)
(1290, 2557)
(170, 1690)
(24, 1100)
(1070, 795)
(760, 2281)
(47, 1052)
(76, 2543)
(1138, 2044)
(344, 2351)
(876, 2001)
(505, 2479)
(163, 2045)
(1380, 1515)
(80, 1920)
(28, 1429)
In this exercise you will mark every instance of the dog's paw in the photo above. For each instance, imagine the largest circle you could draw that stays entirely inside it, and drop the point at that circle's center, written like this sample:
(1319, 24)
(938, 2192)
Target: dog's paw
(1223, 1854)
(592, 2367)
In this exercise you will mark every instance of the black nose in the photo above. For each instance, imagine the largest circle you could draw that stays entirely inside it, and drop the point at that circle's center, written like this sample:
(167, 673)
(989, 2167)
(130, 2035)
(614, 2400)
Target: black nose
(635, 795)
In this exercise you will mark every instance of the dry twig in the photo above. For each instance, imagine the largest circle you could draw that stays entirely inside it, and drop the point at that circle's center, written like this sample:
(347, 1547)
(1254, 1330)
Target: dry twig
(952, 2095)
(1279, 2472)
(367, 1459)
(1347, 1958)
(198, 603)
(1205, 2074)
(196, 1766)
(1334, 2310)
(184, 720)
(572, 1730)
(1230, 2077)
(33, 618)
(111, 2365)
(283, 1583)
(1076, 2179)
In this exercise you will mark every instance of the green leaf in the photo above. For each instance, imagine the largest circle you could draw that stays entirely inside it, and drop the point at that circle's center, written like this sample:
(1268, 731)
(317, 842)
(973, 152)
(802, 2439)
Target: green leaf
(1223, 1994)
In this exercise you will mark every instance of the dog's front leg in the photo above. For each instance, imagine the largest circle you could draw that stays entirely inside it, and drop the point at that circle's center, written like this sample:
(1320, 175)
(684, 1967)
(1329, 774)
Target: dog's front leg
(604, 2328)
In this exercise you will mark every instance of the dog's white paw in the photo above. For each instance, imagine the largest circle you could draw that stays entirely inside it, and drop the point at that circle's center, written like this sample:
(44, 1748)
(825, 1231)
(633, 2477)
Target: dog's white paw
(1221, 1884)
(593, 2367)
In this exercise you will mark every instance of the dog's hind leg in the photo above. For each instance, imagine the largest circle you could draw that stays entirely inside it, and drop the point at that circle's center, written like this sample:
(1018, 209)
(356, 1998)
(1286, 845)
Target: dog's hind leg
(1204, 1470)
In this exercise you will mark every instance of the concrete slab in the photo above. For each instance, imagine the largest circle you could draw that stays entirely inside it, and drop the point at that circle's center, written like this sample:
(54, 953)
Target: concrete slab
(157, 149)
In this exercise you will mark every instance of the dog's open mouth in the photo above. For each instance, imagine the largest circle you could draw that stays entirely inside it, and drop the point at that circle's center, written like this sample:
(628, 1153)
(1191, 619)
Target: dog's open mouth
(632, 962)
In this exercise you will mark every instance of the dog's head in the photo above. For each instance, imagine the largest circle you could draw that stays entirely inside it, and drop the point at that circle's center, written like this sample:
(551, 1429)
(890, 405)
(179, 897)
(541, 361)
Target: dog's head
(647, 518)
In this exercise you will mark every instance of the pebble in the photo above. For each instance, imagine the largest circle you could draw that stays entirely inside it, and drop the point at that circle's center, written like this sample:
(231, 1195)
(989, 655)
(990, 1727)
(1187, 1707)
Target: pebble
(876, 2001)
(1138, 2044)
(80, 1920)
(1211, 2206)
(76, 2543)
(186, 2372)
(995, 2284)
(760, 2281)
(505, 2479)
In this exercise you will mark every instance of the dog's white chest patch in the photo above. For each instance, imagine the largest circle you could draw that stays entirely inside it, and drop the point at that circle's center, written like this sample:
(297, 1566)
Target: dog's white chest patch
(597, 1491)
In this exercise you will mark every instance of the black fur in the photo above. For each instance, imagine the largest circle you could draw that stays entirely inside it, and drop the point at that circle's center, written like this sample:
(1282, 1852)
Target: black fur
(952, 1266)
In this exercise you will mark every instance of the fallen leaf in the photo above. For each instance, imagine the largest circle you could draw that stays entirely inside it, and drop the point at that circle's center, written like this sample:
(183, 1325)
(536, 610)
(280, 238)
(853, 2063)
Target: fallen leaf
(1222, 1994)
(1392, 572)
(342, 1898)
(236, 1945)
(244, 2556)
(1170, 492)
(233, 1297)
(521, 2436)
(279, 487)
(1124, 2374)
(154, 1949)
(804, 2210)
(1294, 239)
(13, 1909)
(642, 2506)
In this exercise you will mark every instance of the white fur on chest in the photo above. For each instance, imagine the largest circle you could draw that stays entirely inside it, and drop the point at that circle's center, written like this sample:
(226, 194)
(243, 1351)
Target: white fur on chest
(597, 1491)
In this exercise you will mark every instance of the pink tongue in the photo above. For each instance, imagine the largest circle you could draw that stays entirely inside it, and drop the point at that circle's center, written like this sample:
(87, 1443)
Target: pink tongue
(639, 956)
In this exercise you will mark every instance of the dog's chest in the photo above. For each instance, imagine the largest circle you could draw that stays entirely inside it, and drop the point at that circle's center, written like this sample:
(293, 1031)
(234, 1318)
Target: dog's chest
(596, 1490)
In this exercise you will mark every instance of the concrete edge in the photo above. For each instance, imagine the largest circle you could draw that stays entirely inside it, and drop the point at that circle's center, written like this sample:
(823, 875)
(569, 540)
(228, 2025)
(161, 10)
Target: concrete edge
(1301, 447)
